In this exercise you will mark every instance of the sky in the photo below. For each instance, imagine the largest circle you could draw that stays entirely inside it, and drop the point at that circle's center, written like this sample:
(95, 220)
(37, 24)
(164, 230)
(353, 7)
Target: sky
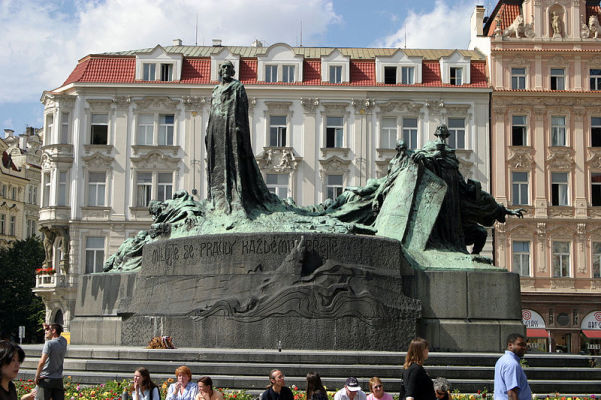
(42, 40)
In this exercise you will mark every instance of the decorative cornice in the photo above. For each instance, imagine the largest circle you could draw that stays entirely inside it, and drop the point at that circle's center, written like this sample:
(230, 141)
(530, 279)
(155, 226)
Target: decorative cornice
(560, 158)
(122, 101)
(155, 160)
(334, 164)
(310, 104)
(99, 104)
(156, 103)
(363, 105)
(335, 108)
(98, 160)
(278, 108)
(521, 157)
(195, 103)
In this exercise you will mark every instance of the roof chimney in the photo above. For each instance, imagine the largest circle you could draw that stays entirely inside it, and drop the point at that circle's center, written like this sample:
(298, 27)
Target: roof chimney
(478, 20)
(29, 131)
(8, 132)
(177, 42)
(216, 42)
(256, 43)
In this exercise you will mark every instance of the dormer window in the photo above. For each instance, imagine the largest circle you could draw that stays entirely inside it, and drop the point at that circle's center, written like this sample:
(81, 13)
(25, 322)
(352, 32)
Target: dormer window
(288, 73)
(455, 69)
(166, 72)
(271, 73)
(399, 68)
(456, 74)
(158, 65)
(335, 67)
(279, 63)
(390, 75)
(407, 74)
(149, 71)
(336, 74)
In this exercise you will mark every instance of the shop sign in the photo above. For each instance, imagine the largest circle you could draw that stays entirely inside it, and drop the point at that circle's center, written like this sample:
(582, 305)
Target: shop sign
(532, 319)
(592, 321)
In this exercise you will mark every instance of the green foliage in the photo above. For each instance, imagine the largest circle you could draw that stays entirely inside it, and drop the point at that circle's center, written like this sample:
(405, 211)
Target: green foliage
(18, 305)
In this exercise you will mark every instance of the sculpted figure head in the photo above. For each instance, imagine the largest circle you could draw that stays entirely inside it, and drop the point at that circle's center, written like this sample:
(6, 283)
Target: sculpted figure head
(442, 133)
(227, 71)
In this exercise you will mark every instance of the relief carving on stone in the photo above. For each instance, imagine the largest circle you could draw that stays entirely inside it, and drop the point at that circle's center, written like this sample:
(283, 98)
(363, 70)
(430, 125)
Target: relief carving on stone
(333, 166)
(99, 105)
(541, 235)
(594, 157)
(516, 29)
(310, 104)
(155, 159)
(121, 101)
(278, 108)
(363, 105)
(156, 103)
(335, 108)
(561, 211)
(581, 232)
(278, 160)
(593, 29)
(562, 283)
(557, 60)
(560, 158)
(594, 212)
(98, 160)
(400, 106)
(521, 157)
(195, 103)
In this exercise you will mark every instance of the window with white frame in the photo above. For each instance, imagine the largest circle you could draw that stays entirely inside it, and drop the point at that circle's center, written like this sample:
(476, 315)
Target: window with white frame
(149, 71)
(559, 189)
(166, 128)
(596, 259)
(519, 188)
(96, 189)
(457, 133)
(64, 135)
(561, 259)
(334, 186)
(407, 75)
(165, 186)
(48, 131)
(32, 195)
(334, 132)
(145, 129)
(278, 184)
(388, 133)
(519, 130)
(12, 225)
(410, 132)
(288, 73)
(31, 228)
(558, 131)
(47, 184)
(94, 254)
(390, 75)
(63, 194)
(518, 78)
(166, 72)
(558, 79)
(13, 193)
(143, 188)
(521, 257)
(99, 129)
(596, 131)
(277, 130)
(271, 73)
(595, 189)
(3, 191)
(335, 73)
(595, 79)
(2, 224)
(456, 75)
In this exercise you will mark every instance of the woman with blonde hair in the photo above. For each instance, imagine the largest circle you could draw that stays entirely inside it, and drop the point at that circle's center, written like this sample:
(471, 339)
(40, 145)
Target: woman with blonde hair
(184, 388)
(376, 387)
(418, 385)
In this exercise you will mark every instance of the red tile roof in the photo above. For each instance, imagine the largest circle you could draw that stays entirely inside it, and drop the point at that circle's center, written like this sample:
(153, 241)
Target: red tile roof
(508, 14)
(592, 10)
(121, 69)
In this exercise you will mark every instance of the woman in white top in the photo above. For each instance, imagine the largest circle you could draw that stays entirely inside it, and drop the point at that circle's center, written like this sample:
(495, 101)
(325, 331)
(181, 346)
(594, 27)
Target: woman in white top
(144, 387)
(184, 388)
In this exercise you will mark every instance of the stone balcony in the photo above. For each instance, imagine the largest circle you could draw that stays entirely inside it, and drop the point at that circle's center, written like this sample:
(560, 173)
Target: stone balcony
(51, 281)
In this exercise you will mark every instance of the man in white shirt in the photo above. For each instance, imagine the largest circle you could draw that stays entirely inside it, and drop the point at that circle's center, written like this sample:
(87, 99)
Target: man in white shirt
(350, 391)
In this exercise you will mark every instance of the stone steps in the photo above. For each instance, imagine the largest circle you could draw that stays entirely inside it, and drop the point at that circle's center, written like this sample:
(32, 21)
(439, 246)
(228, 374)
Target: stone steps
(247, 369)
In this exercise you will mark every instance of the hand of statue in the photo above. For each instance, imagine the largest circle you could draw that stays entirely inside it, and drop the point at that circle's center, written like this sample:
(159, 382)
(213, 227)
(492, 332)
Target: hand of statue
(418, 156)
(518, 212)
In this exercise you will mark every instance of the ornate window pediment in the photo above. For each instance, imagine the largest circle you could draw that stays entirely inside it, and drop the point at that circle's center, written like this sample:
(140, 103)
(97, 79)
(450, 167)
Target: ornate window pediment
(279, 63)
(278, 160)
(279, 108)
(521, 157)
(156, 103)
(335, 108)
(560, 158)
(333, 166)
(335, 62)
(455, 60)
(221, 56)
(98, 160)
(99, 105)
(154, 160)
(412, 73)
(310, 104)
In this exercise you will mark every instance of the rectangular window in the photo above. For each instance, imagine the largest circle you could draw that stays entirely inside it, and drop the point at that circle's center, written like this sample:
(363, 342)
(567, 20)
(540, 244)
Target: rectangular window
(518, 78)
(46, 189)
(390, 75)
(277, 130)
(31, 228)
(596, 259)
(288, 73)
(48, 131)
(519, 131)
(13, 193)
(3, 191)
(94, 254)
(2, 224)
(96, 189)
(166, 126)
(388, 133)
(561, 259)
(558, 131)
(145, 129)
(335, 74)
(334, 186)
(457, 133)
(62, 188)
(334, 132)
(595, 78)
(410, 132)
(278, 184)
(519, 188)
(559, 189)
(99, 129)
(521, 258)
(557, 79)
(149, 71)
(271, 73)
(143, 189)
(11, 227)
(456, 76)
(596, 189)
(596, 131)
(407, 75)
(165, 189)
(166, 72)
(64, 128)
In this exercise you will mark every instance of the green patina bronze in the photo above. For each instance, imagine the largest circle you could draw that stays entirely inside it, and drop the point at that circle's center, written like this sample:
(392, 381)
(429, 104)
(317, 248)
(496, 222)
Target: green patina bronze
(424, 202)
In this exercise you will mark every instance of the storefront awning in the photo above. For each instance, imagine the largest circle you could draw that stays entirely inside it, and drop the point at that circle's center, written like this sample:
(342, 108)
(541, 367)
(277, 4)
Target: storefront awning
(533, 332)
(592, 334)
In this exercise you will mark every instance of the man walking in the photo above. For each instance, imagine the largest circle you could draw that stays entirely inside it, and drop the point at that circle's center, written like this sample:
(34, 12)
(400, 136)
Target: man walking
(49, 375)
(510, 379)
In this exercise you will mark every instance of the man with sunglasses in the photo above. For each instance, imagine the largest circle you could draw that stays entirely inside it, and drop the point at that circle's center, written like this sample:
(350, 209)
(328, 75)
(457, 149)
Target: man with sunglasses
(49, 375)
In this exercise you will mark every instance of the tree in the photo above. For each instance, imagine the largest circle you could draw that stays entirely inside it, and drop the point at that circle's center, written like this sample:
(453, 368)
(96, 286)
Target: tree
(18, 304)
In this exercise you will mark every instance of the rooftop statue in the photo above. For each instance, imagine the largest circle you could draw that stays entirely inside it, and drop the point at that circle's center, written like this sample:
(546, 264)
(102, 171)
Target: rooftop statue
(424, 202)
